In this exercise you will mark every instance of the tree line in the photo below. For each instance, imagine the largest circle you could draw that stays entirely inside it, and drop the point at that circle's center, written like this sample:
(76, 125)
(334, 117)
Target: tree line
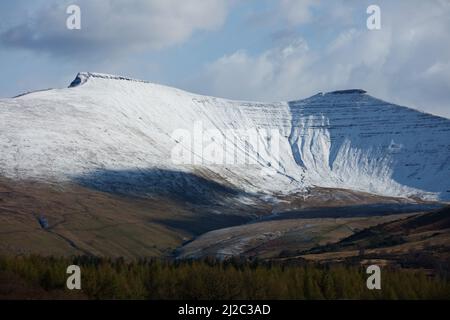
(103, 278)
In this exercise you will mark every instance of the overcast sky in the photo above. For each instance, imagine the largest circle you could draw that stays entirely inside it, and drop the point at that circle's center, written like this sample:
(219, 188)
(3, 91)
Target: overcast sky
(251, 50)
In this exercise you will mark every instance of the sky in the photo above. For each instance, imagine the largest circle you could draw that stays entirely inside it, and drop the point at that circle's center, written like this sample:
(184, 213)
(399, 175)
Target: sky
(262, 50)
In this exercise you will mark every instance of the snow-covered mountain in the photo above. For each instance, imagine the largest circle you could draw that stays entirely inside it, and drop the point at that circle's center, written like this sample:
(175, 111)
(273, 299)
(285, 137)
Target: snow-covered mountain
(344, 139)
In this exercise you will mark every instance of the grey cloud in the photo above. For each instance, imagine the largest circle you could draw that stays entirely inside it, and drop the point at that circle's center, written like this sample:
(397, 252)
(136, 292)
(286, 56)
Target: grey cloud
(113, 26)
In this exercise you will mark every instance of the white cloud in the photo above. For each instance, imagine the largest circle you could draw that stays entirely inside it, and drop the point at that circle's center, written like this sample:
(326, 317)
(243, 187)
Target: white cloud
(240, 75)
(297, 12)
(114, 26)
(406, 62)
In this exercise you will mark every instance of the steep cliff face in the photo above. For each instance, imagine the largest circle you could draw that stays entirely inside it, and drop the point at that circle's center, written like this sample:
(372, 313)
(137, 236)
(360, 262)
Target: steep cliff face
(356, 141)
(111, 128)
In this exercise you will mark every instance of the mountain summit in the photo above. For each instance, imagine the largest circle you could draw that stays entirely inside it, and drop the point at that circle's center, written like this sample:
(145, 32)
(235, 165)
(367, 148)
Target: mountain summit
(343, 139)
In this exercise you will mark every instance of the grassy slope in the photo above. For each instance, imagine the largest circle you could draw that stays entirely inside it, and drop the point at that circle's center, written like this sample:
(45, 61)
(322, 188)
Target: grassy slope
(421, 240)
(83, 221)
(270, 239)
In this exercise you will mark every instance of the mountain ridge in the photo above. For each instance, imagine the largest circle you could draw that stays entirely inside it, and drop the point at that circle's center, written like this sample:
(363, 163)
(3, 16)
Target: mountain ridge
(343, 138)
